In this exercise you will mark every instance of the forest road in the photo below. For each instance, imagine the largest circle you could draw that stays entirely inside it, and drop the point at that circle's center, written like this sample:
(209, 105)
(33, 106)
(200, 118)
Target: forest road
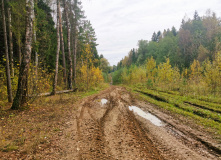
(105, 128)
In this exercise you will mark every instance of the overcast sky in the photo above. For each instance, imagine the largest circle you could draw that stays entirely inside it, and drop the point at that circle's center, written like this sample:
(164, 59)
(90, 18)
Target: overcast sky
(119, 24)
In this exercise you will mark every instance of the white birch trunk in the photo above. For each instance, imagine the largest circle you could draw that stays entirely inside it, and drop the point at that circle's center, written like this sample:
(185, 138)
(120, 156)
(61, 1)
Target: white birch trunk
(62, 49)
(22, 90)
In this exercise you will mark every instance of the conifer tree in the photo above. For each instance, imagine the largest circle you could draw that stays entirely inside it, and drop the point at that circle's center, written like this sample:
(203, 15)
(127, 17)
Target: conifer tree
(154, 37)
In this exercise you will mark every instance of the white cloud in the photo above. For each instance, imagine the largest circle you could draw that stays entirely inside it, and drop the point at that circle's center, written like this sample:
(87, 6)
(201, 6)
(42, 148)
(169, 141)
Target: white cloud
(119, 24)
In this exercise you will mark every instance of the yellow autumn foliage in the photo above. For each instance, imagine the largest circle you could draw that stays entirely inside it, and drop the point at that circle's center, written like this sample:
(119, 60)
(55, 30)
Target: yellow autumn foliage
(151, 68)
(43, 82)
(89, 77)
(196, 71)
(168, 77)
(133, 75)
(213, 73)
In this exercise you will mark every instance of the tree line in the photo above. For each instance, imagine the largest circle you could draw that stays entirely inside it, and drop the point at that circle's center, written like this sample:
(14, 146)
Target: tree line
(197, 38)
(47, 45)
(185, 60)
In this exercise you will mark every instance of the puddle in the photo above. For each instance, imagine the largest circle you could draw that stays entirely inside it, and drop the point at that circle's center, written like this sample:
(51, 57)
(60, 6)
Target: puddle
(153, 119)
(104, 101)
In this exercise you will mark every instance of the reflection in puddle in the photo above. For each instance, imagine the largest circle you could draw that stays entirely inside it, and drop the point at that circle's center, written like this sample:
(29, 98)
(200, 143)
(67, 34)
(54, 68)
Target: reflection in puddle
(104, 101)
(145, 115)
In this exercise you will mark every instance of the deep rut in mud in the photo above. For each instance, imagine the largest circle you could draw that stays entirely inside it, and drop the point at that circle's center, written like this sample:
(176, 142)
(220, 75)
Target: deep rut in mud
(111, 131)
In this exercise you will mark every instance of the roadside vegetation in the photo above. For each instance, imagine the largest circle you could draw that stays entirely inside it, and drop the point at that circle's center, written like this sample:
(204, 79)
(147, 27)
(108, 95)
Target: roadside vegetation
(37, 128)
(189, 93)
(58, 54)
(179, 71)
(48, 46)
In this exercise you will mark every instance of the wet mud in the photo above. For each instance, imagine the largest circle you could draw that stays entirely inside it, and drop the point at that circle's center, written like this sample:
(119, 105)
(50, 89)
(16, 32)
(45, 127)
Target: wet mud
(115, 125)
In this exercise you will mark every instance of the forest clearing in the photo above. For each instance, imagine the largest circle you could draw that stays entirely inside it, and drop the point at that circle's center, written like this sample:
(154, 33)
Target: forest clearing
(102, 126)
(147, 86)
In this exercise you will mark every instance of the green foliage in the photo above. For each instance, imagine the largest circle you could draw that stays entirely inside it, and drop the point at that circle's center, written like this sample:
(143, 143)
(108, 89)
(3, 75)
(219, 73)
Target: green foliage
(87, 35)
(149, 83)
(116, 76)
(105, 76)
(197, 80)
(198, 38)
(187, 60)
(88, 76)
(46, 44)
(3, 85)
(18, 20)
(133, 74)
(104, 65)
(46, 36)
(213, 73)
(142, 50)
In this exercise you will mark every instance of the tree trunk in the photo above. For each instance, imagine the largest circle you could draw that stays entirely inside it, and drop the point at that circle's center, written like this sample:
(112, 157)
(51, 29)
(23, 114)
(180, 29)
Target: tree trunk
(75, 57)
(62, 48)
(57, 53)
(22, 90)
(36, 61)
(19, 51)
(75, 41)
(87, 75)
(70, 74)
(9, 89)
(10, 42)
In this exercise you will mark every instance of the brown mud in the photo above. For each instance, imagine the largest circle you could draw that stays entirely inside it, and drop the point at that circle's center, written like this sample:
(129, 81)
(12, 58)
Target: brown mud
(112, 131)
(102, 126)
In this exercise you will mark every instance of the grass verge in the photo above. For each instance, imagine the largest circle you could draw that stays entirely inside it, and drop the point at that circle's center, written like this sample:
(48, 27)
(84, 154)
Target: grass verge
(206, 114)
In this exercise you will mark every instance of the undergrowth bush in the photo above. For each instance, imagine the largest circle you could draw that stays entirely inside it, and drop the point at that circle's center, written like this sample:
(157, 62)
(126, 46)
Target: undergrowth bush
(201, 79)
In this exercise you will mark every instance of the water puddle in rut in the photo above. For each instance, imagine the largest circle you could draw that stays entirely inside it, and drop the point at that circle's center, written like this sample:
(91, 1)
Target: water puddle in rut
(153, 119)
(104, 101)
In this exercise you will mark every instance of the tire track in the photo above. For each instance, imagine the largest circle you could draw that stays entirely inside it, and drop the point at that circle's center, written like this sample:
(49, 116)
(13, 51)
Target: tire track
(111, 131)
(90, 134)
(128, 137)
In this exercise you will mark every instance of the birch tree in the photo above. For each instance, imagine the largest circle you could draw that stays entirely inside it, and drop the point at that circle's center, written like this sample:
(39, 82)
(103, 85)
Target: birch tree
(57, 52)
(62, 49)
(22, 90)
(75, 39)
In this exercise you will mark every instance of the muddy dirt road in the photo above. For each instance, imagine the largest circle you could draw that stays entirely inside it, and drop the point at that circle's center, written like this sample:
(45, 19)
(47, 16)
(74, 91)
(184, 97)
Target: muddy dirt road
(105, 127)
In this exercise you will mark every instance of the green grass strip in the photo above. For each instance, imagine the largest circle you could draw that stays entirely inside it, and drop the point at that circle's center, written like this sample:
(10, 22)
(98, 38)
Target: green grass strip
(179, 103)
(198, 119)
